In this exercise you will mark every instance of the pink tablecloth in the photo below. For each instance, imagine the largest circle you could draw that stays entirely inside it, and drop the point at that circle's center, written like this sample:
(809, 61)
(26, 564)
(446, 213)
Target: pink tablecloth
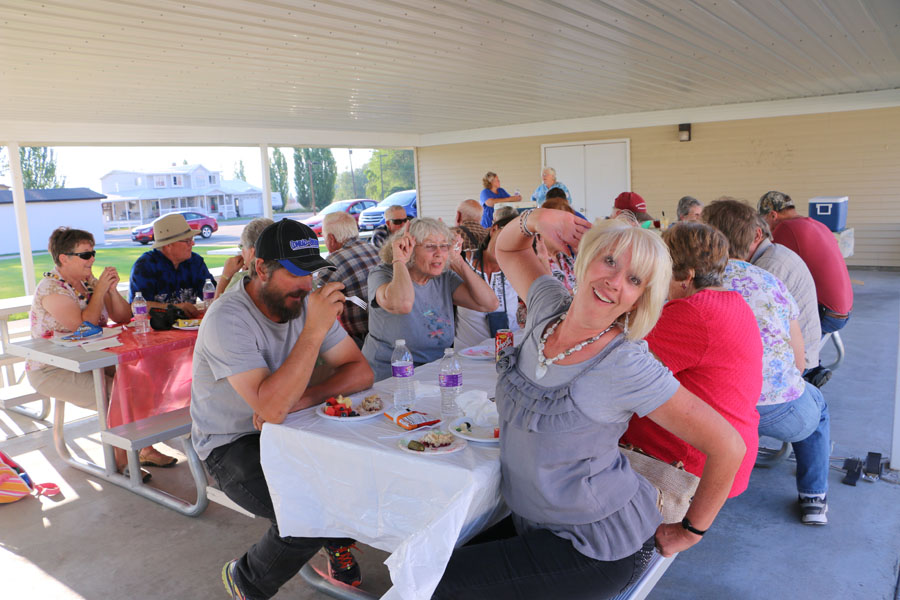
(153, 375)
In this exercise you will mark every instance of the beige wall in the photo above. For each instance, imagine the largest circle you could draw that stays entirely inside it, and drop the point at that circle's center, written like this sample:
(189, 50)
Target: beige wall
(855, 154)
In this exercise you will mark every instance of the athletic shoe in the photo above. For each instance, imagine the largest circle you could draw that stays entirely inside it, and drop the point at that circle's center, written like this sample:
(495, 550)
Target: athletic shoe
(342, 566)
(813, 509)
(231, 585)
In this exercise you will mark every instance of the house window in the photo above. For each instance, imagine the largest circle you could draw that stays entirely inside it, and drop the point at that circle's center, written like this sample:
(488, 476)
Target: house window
(137, 181)
(159, 181)
(176, 181)
(213, 179)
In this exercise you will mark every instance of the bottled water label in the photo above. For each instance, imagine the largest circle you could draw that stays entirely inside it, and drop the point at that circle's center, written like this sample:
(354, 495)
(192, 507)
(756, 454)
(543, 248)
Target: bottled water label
(207, 295)
(402, 370)
(450, 380)
(140, 309)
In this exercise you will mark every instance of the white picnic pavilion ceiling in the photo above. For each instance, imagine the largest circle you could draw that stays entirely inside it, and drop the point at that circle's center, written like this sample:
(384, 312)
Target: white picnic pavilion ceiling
(406, 72)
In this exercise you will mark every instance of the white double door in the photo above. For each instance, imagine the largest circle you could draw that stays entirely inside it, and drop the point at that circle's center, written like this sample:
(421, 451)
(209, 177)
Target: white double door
(595, 173)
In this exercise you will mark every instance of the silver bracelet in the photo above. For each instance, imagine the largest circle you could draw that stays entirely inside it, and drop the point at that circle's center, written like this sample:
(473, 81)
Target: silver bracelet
(523, 222)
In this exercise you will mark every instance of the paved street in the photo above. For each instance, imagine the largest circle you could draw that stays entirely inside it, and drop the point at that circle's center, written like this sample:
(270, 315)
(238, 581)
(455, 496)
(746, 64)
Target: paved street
(229, 234)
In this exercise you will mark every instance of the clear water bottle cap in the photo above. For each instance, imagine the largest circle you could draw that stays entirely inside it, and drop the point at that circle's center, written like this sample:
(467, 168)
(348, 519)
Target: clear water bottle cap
(448, 351)
(400, 342)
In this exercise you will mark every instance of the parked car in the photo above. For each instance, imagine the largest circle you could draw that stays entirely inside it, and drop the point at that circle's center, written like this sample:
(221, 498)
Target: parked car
(352, 207)
(203, 225)
(374, 217)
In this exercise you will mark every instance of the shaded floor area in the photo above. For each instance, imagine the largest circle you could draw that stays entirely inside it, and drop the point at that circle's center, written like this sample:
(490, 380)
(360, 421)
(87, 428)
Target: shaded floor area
(98, 541)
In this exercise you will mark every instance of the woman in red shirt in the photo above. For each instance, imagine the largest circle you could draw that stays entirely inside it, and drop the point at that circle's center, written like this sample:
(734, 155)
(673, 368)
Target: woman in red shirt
(709, 339)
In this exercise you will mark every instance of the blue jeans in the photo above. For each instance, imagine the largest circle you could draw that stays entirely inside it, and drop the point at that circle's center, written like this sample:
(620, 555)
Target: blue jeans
(805, 423)
(273, 560)
(830, 322)
(535, 565)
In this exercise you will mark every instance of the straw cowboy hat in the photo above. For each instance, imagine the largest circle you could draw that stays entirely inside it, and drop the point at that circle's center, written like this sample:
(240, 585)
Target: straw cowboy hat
(171, 228)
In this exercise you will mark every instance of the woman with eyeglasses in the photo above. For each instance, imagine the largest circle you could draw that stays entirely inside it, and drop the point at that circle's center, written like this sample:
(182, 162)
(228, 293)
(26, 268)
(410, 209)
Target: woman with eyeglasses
(236, 264)
(67, 296)
(412, 294)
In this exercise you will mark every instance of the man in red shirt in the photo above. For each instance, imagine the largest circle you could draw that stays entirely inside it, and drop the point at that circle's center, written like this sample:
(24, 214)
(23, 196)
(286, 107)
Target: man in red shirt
(816, 245)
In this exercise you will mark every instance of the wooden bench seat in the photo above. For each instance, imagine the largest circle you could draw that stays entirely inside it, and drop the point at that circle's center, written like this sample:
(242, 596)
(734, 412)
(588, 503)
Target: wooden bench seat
(146, 432)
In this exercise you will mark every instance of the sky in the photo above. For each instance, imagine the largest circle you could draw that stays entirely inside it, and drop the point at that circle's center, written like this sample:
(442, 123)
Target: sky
(84, 166)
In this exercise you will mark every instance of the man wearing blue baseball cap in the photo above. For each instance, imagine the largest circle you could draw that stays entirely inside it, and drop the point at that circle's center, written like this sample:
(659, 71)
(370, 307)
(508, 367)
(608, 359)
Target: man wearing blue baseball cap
(253, 362)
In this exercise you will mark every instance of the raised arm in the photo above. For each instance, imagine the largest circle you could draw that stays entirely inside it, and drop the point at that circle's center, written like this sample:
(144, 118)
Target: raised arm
(698, 424)
(474, 292)
(118, 308)
(232, 266)
(67, 311)
(398, 296)
(272, 395)
(517, 260)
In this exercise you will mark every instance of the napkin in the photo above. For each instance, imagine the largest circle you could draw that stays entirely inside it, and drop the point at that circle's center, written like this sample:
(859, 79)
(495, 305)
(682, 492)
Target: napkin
(424, 390)
(476, 406)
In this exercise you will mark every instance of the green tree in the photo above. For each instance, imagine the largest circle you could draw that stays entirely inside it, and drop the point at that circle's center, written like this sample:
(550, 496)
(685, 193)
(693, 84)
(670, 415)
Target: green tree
(239, 171)
(39, 169)
(343, 187)
(320, 162)
(389, 171)
(278, 175)
(4, 165)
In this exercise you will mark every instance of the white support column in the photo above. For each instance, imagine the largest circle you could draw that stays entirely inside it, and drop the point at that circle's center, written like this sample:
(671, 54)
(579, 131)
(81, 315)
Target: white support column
(21, 212)
(267, 183)
(895, 434)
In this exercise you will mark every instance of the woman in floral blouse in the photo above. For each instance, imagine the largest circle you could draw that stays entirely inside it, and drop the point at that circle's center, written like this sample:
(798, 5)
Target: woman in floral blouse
(790, 409)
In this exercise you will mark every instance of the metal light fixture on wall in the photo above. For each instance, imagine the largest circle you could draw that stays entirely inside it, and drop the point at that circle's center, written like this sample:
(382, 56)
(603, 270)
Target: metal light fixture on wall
(684, 132)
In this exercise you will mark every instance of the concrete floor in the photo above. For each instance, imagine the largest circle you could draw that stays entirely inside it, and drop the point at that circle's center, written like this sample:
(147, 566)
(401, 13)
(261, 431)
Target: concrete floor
(99, 541)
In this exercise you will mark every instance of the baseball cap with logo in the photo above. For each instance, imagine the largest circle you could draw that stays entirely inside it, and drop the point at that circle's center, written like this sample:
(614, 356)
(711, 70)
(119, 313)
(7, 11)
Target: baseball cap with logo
(631, 201)
(292, 244)
(776, 201)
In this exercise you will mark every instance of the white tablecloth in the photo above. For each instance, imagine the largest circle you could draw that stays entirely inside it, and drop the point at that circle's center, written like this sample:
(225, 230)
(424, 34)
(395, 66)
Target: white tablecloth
(337, 479)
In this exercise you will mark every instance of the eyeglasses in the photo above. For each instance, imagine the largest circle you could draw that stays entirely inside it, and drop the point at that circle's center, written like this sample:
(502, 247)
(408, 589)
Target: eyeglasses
(399, 221)
(86, 255)
(435, 247)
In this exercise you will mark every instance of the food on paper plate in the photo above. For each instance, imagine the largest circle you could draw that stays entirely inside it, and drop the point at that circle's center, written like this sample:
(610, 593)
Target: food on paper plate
(372, 403)
(464, 427)
(437, 439)
(188, 322)
(416, 445)
(340, 407)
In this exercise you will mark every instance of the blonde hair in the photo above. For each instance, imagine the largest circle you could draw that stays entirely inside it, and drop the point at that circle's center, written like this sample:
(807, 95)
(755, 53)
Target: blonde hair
(420, 228)
(488, 179)
(650, 261)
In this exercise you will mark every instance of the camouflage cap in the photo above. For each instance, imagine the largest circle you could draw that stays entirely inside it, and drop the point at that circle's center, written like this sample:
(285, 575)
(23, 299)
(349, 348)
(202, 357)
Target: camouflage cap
(776, 201)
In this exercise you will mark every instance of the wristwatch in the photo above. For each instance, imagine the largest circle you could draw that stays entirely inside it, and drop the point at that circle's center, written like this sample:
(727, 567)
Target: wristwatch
(687, 525)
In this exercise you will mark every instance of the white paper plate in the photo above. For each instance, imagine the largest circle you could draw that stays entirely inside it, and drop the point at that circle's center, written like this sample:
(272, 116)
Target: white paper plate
(188, 328)
(484, 435)
(478, 352)
(357, 399)
(457, 445)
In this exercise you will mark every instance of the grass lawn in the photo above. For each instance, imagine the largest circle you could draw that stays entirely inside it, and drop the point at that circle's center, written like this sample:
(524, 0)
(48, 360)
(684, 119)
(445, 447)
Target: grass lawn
(11, 284)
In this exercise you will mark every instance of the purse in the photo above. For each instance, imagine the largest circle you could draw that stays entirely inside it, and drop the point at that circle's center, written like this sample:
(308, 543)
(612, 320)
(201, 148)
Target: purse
(676, 486)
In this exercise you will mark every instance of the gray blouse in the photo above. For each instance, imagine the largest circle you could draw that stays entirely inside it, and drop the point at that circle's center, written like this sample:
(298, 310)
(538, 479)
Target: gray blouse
(560, 464)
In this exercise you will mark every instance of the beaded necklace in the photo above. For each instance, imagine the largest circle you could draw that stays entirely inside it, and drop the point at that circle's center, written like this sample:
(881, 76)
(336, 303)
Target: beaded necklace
(543, 362)
(85, 284)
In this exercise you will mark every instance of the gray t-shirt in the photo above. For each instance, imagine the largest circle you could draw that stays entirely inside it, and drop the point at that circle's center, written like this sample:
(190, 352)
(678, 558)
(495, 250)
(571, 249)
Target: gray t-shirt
(234, 337)
(427, 328)
(561, 466)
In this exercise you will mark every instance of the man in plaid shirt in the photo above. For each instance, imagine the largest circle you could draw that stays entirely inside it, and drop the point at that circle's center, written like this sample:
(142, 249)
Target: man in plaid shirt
(468, 223)
(354, 258)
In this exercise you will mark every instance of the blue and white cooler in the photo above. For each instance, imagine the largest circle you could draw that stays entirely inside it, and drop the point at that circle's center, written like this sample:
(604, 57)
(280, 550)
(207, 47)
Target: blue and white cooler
(830, 210)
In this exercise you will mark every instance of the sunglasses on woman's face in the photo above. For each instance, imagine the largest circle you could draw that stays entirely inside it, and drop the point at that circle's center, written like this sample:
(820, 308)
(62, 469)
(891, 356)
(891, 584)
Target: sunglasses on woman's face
(399, 221)
(86, 255)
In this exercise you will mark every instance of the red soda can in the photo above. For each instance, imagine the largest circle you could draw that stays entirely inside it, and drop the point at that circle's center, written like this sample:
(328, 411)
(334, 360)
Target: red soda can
(503, 339)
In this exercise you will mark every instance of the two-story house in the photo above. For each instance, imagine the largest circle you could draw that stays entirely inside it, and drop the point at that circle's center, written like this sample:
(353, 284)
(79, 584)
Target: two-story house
(136, 197)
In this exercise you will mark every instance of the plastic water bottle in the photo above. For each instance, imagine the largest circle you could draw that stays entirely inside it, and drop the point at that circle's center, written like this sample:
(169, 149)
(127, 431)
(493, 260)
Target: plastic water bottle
(141, 315)
(402, 370)
(450, 382)
(209, 292)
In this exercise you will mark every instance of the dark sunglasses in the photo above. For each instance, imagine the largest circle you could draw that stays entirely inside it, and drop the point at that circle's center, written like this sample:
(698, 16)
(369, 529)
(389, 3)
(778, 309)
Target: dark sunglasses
(86, 255)
(399, 221)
